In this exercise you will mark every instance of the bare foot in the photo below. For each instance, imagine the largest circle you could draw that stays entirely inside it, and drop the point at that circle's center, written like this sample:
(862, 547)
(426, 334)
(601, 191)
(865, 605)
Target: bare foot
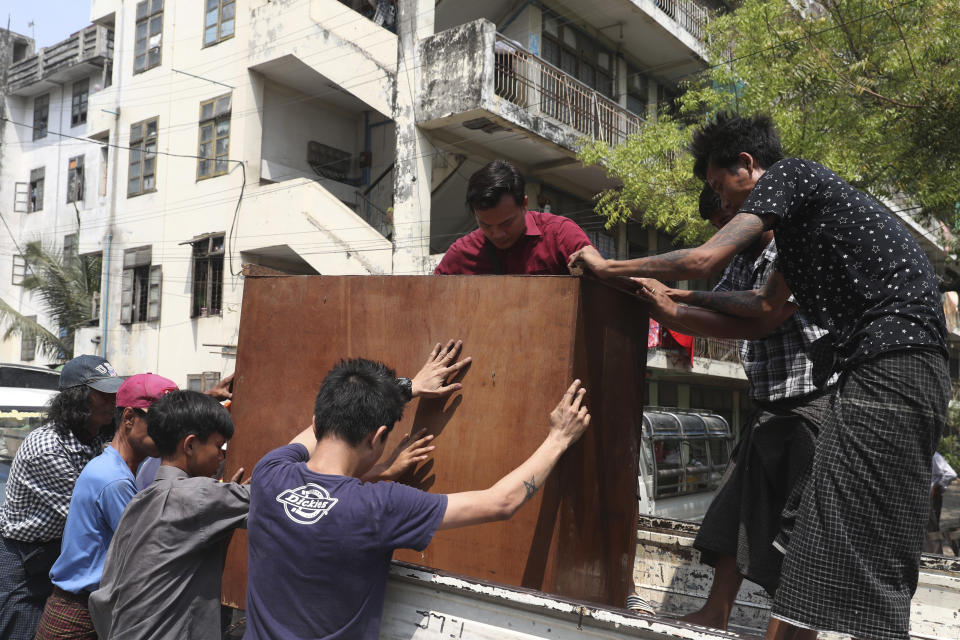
(706, 618)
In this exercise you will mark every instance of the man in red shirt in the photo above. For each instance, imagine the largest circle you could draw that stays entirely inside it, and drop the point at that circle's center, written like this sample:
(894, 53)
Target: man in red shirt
(510, 240)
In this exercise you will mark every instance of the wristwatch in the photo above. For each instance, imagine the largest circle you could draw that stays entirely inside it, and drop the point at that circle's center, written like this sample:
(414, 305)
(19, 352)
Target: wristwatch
(406, 388)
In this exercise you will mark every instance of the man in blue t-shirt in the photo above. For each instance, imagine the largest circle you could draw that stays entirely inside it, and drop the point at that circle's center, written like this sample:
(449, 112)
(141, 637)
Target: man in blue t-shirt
(321, 540)
(102, 492)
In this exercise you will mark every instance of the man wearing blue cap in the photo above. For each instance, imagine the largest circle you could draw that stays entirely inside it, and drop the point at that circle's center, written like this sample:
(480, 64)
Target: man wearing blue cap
(41, 483)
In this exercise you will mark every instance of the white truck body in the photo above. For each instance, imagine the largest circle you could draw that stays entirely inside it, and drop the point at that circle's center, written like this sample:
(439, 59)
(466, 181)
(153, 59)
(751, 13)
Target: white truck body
(422, 604)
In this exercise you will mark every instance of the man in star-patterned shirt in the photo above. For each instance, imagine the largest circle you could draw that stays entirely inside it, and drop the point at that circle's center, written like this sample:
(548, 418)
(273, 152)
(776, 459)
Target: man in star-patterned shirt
(851, 565)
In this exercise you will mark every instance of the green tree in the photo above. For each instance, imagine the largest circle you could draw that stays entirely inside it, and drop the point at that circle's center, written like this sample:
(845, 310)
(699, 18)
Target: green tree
(870, 88)
(64, 286)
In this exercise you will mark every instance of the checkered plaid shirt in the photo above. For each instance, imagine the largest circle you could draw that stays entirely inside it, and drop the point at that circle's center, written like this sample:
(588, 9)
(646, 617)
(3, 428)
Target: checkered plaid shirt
(41, 482)
(777, 366)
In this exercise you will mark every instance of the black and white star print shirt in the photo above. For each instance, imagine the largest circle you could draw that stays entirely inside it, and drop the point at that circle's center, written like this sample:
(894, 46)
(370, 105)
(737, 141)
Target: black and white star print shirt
(852, 267)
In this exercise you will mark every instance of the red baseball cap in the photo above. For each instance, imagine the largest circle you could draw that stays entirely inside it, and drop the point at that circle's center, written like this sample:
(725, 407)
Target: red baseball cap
(142, 390)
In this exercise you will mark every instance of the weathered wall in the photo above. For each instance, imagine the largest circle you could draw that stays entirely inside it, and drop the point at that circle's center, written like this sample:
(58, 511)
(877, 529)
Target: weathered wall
(456, 70)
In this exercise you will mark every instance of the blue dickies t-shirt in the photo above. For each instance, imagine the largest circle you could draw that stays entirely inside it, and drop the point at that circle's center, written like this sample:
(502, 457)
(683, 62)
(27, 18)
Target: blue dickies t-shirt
(320, 548)
(103, 490)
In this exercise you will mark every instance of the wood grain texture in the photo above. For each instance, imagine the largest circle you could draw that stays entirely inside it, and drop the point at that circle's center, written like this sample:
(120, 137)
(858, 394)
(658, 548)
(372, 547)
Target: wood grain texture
(529, 337)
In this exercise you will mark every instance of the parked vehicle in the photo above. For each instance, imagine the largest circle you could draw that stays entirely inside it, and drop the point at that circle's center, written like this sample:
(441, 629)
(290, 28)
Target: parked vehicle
(24, 392)
(684, 454)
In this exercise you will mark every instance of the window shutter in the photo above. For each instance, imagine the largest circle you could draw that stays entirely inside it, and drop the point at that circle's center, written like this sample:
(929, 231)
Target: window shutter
(21, 197)
(153, 299)
(126, 297)
(19, 269)
(139, 257)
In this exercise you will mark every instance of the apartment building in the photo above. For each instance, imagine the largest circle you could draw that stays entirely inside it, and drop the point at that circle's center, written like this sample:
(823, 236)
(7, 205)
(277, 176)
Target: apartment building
(52, 178)
(180, 140)
(311, 136)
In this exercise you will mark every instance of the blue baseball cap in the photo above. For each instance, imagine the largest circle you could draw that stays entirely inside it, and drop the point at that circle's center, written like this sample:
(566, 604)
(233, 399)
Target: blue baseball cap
(92, 371)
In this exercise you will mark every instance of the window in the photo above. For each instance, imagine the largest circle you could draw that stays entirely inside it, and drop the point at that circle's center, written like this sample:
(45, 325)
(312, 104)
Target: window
(202, 381)
(605, 244)
(21, 197)
(102, 190)
(78, 106)
(69, 247)
(149, 35)
(207, 276)
(214, 141)
(28, 342)
(75, 179)
(577, 54)
(140, 293)
(638, 92)
(35, 202)
(19, 270)
(93, 264)
(218, 21)
(143, 158)
(41, 113)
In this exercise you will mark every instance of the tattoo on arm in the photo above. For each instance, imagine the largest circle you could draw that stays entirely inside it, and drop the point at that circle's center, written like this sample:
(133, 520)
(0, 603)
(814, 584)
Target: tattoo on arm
(742, 231)
(530, 487)
(745, 304)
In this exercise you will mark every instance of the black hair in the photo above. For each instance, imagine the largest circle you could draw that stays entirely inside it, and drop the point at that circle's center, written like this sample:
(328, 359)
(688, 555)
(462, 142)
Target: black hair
(490, 183)
(69, 410)
(357, 396)
(720, 141)
(179, 414)
(710, 202)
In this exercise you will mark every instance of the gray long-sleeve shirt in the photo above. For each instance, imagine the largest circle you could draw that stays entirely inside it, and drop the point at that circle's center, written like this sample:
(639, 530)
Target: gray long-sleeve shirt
(161, 579)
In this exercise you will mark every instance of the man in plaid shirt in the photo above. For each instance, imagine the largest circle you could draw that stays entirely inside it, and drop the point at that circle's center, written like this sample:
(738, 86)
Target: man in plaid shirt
(751, 517)
(41, 482)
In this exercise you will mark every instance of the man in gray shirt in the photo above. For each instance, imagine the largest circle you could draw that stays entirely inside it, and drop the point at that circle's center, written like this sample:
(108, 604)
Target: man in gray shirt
(161, 578)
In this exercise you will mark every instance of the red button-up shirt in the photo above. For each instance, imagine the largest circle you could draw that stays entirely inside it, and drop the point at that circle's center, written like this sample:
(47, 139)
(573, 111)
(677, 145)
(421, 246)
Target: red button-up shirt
(542, 250)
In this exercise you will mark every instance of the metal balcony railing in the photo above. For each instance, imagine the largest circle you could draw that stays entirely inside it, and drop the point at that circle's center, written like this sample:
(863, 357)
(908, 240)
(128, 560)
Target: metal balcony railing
(716, 349)
(88, 45)
(690, 15)
(542, 89)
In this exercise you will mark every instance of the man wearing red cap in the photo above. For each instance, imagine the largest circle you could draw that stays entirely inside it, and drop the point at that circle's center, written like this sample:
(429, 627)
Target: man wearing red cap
(102, 492)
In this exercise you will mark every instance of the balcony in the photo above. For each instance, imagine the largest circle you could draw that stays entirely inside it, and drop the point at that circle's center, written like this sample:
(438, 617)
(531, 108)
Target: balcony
(666, 35)
(486, 95)
(691, 16)
(71, 59)
(722, 349)
(540, 88)
(712, 357)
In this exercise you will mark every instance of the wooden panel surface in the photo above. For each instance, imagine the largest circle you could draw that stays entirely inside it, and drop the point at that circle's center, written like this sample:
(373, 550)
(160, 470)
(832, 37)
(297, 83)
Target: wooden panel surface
(526, 336)
(595, 536)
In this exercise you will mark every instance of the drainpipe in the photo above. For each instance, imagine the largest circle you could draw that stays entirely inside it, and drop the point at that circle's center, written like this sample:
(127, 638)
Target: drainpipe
(112, 186)
(105, 298)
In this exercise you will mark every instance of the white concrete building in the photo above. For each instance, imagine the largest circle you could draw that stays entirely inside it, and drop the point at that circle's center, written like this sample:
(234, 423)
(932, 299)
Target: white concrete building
(54, 186)
(331, 144)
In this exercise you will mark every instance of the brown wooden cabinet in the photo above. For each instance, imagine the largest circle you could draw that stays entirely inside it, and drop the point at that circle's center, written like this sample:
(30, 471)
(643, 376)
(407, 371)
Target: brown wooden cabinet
(529, 336)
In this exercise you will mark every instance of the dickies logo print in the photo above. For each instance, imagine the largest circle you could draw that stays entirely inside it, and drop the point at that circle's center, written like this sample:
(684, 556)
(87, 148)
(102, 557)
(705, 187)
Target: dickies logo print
(306, 504)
